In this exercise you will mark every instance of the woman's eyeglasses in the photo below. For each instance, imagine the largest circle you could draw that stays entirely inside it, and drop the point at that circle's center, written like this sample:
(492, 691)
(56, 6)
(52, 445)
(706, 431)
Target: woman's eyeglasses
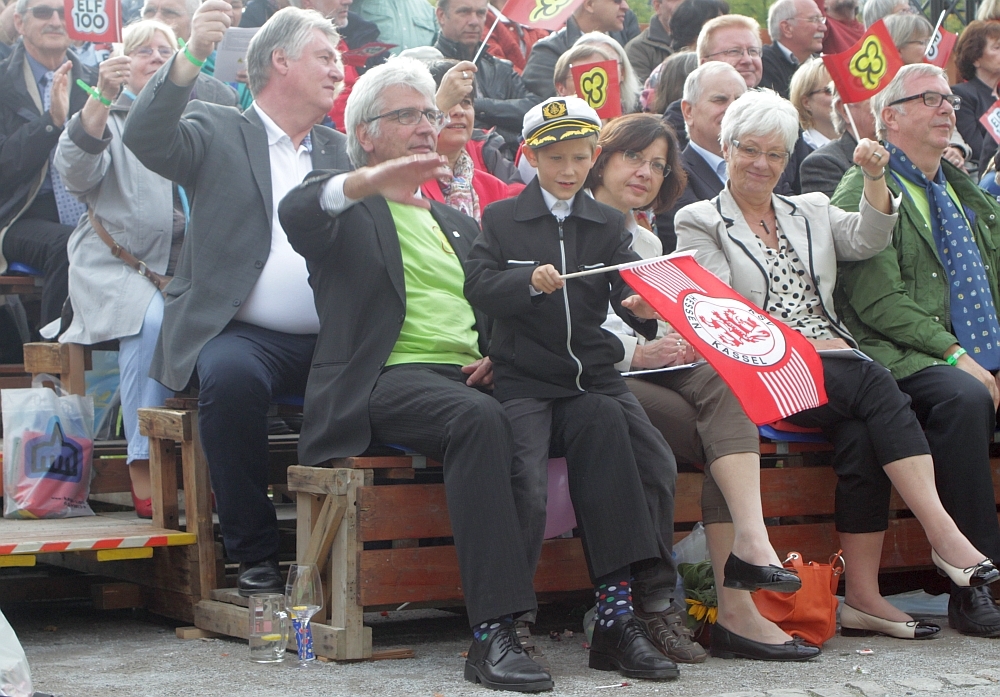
(752, 153)
(147, 52)
(636, 160)
(827, 90)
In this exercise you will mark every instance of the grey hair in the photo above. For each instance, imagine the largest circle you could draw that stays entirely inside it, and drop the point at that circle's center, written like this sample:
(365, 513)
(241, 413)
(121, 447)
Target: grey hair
(761, 113)
(191, 6)
(289, 29)
(630, 86)
(896, 90)
(694, 84)
(904, 27)
(778, 13)
(874, 10)
(366, 100)
(724, 22)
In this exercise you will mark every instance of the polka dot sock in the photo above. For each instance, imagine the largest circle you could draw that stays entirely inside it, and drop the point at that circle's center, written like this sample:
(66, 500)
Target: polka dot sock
(614, 597)
(484, 630)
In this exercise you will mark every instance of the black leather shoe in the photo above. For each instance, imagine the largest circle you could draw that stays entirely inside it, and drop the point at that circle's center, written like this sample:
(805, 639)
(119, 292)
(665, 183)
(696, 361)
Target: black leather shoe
(725, 644)
(260, 577)
(625, 647)
(742, 576)
(500, 663)
(671, 636)
(973, 612)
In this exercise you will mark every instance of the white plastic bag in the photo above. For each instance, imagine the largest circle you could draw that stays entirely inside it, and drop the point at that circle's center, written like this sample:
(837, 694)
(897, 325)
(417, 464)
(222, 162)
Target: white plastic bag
(693, 548)
(48, 450)
(15, 678)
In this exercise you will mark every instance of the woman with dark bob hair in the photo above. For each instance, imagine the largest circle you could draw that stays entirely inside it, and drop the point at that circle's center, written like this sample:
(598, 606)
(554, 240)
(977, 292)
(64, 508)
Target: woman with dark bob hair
(977, 55)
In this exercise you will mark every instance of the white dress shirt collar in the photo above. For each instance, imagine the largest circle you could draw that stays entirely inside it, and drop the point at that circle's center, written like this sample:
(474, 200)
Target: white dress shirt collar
(274, 132)
(559, 208)
(717, 163)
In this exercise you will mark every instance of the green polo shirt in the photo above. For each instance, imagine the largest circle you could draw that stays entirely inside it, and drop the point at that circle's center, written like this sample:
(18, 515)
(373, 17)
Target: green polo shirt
(439, 325)
(919, 196)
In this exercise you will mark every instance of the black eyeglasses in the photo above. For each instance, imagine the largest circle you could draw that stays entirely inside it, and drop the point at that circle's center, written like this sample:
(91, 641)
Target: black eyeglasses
(44, 12)
(409, 117)
(932, 99)
(825, 90)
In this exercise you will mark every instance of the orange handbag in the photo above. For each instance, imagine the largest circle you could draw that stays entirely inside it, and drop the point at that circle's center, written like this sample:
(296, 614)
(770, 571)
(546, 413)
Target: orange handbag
(810, 612)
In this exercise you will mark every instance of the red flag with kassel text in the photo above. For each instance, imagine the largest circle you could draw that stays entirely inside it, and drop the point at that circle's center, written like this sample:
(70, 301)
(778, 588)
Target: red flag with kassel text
(543, 14)
(941, 47)
(94, 20)
(597, 84)
(772, 369)
(864, 70)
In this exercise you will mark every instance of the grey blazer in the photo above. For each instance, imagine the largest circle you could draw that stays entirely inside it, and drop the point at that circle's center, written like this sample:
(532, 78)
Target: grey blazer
(821, 234)
(825, 166)
(135, 206)
(220, 157)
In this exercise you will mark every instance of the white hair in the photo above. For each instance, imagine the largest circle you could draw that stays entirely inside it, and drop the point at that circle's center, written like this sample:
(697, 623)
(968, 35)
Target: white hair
(874, 10)
(724, 22)
(761, 113)
(694, 84)
(366, 100)
(904, 28)
(289, 29)
(630, 86)
(778, 13)
(896, 90)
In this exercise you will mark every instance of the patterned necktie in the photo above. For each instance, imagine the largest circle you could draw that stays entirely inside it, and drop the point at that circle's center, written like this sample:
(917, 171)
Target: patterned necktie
(70, 207)
(973, 315)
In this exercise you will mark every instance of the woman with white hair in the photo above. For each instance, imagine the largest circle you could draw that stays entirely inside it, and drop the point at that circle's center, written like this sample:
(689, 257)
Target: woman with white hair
(130, 206)
(781, 254)
(591, 48)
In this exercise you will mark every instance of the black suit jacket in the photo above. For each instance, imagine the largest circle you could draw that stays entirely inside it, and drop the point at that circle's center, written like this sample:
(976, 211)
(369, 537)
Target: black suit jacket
(702, 185)
(824, 167)
(778, 70)
(977, 97)
(356, 272)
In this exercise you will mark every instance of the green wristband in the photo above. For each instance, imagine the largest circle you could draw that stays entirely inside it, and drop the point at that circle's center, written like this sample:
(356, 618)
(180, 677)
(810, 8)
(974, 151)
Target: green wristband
(194, 61)
(953, 358)
(93, 93)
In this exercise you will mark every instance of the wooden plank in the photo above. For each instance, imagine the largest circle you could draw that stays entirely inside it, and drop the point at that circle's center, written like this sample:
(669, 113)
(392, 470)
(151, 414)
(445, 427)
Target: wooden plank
(74, 380)
(163, 482)
(21, 589)
(319, 480)
(345, 610)
(326, 528)
(166, 423)
(307, 509)
(110, 476)
(176, 606)
(409, 511)
(396, 576)
(189, 633)
(197, 499)
(45, 357)
(116, 596)
(393, 654)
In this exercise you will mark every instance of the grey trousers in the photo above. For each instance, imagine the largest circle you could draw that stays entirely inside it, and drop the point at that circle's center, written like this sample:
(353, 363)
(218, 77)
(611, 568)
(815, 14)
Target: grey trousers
(616, 461)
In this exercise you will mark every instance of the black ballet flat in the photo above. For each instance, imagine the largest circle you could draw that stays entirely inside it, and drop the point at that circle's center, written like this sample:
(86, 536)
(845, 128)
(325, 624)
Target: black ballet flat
(725, 644)
(746, 577)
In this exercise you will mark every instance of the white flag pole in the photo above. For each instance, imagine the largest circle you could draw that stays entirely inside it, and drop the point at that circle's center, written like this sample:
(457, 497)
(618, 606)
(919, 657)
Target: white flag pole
(486, 39)
(930, 44)
(850, 117)
(627, 265)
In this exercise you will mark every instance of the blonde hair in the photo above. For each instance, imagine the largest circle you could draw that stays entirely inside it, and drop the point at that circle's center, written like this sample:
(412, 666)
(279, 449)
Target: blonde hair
(725, 22)
(140, 33)
(804, 81)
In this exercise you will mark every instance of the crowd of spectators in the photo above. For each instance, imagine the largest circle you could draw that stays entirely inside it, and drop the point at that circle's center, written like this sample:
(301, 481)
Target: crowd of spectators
(374, 219)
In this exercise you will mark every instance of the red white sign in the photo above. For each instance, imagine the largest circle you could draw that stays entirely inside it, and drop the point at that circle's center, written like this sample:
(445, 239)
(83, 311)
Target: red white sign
(597, 84)
(991, 120)
(543, 14)
(94, 20)
(940, 48)
(773, 370)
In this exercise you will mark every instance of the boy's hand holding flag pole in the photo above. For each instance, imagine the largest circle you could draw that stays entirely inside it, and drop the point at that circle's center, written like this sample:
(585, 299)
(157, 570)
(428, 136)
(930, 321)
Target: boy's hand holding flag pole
(864, 70)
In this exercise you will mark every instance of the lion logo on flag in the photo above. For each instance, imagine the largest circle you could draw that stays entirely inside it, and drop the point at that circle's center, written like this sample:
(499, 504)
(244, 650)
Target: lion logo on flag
(869, 64)
(735, 329)
(547, 9)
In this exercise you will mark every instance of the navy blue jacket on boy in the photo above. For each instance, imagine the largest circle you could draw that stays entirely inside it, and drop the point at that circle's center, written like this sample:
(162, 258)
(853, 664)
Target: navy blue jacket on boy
(544, 346)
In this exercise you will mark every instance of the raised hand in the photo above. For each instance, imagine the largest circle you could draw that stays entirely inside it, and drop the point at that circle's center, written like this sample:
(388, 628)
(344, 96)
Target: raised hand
(398, 180)
(59, 106)
(871, 157)
(112, 75)
(208, 26)
(456, 85)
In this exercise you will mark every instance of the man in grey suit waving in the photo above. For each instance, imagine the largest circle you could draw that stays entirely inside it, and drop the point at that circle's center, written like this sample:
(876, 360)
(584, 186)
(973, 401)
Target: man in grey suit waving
(240, 313)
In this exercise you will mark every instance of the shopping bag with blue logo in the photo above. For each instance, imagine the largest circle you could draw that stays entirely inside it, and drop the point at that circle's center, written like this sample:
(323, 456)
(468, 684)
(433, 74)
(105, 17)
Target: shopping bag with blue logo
(48, 449)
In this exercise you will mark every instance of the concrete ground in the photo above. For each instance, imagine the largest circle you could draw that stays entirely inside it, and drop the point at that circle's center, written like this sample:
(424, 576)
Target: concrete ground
(76, 651)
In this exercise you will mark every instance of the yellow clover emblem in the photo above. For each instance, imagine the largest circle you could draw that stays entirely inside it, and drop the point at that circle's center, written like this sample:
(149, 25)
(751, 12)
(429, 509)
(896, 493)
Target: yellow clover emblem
(547, 9)
(869, 64)
(594, 84)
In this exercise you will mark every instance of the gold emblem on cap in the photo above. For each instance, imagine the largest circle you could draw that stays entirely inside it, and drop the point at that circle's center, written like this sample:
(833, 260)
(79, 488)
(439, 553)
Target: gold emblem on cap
(554, 110)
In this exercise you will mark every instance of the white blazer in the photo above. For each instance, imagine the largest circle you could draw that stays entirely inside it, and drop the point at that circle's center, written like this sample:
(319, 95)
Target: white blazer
(819, 233)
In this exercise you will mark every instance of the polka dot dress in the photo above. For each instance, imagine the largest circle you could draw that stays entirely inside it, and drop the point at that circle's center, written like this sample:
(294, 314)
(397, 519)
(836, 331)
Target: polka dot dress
(791, 296)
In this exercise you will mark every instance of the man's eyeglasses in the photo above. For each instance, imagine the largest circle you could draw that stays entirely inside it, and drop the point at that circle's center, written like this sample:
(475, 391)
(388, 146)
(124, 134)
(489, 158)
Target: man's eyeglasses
(147, 52)
(410, 117)
(44, 12)
(814, 19)
(752, 153)
(932, 99)
(635, 160)
(736, 53)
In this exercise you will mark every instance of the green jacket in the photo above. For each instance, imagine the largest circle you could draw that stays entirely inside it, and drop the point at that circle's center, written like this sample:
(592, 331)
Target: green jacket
(896, 304)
